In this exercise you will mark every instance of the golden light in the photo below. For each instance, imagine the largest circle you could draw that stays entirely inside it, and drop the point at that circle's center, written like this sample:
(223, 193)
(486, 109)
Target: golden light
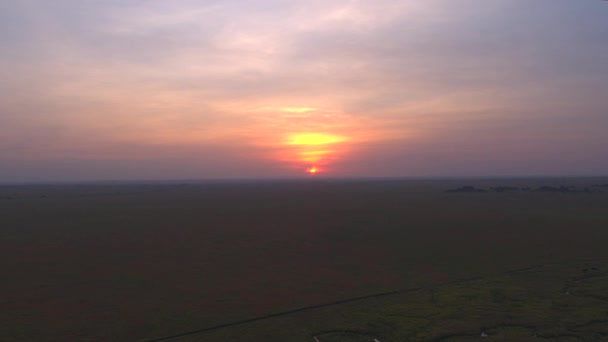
(314, 139)
(313, 149)
(297, 109)
(314, 156)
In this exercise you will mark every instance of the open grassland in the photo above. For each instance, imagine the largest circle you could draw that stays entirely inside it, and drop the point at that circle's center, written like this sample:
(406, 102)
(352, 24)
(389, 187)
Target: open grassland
(552, 302)
(138, 262)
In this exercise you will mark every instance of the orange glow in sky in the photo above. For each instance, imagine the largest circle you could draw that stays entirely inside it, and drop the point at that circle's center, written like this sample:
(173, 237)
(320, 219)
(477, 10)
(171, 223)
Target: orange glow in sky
(314, 149)
(314, 139)
(277, 88)
(297, 109)
(312, 170)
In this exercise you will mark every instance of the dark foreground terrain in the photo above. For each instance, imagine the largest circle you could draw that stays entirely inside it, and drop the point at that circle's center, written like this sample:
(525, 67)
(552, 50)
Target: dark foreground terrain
(313, 260)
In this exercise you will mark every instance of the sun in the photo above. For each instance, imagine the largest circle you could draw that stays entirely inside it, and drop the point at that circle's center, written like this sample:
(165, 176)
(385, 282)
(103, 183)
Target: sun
(312, 170)
(312, 152)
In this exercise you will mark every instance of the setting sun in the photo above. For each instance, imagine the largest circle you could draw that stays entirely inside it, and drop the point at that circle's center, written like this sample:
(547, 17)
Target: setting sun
(313, 149)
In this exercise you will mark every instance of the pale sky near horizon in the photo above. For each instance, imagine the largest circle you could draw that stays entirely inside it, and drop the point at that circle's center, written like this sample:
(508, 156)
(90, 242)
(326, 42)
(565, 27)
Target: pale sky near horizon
(134, 89)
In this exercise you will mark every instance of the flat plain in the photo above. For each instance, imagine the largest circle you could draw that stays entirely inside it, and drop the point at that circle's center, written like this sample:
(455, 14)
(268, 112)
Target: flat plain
(310, 260)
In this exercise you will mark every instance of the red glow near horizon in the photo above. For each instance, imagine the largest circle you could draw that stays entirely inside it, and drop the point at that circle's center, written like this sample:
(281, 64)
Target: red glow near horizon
(312, 170)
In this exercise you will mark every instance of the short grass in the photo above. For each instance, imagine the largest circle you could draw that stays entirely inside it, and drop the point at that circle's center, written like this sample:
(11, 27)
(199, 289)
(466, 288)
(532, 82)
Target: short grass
(104, 262)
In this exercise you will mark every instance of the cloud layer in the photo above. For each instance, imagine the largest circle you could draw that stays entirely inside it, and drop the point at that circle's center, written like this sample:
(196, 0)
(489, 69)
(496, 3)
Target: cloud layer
(191, 89)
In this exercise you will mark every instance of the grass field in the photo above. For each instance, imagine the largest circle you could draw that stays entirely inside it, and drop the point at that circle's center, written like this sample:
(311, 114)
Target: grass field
(137, 262)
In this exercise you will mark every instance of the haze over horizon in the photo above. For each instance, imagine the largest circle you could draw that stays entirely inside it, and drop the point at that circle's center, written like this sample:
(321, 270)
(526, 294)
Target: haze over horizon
(138, 90)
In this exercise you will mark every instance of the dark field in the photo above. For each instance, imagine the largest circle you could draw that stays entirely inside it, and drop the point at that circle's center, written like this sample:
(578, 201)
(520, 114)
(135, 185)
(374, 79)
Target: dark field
(137, 262)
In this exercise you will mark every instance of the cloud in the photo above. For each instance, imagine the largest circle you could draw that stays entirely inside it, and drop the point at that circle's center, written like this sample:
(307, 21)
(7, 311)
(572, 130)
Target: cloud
(89, 79)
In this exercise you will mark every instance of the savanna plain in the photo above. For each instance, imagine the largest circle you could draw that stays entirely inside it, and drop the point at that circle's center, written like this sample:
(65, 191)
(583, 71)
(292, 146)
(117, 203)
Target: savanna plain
(314, 260)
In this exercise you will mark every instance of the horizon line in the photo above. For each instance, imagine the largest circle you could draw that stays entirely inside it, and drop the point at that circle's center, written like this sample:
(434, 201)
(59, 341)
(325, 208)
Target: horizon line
(174, 181)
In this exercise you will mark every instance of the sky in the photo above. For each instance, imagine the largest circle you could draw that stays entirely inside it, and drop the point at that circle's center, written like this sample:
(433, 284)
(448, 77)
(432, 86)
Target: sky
(185, 89)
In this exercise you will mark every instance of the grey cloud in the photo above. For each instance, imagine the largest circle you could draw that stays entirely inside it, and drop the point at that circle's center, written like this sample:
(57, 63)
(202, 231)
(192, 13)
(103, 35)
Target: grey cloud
(518, 75)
